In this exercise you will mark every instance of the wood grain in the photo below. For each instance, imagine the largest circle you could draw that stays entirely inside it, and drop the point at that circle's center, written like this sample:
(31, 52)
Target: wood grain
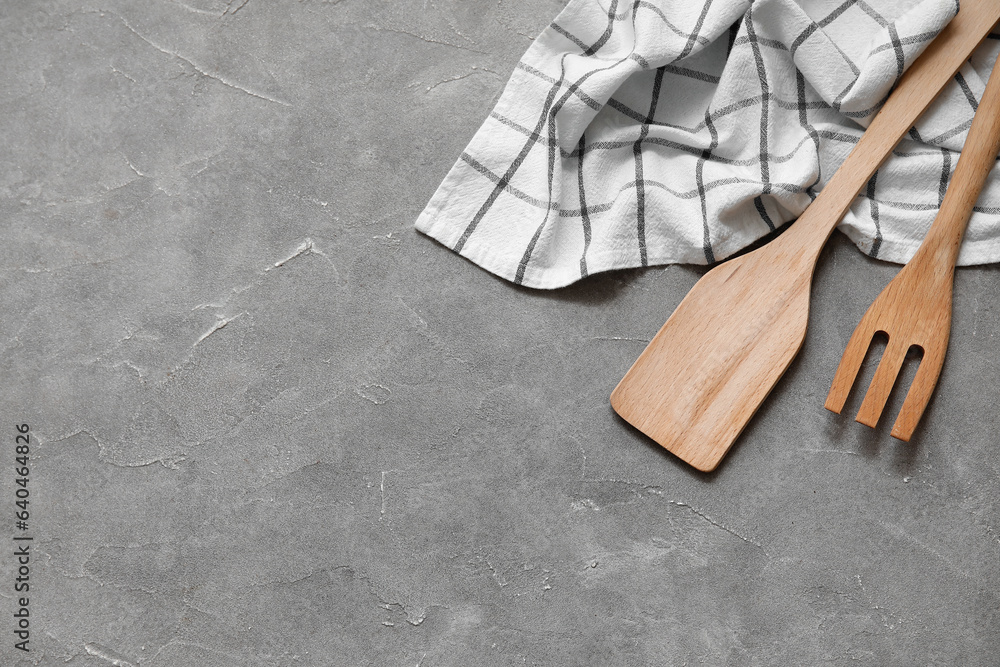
(915, 307)
(704, 375)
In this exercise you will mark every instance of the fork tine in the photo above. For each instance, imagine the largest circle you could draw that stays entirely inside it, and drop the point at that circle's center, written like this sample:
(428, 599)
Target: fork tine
(882, 383)
(919, 395)
(847, 370)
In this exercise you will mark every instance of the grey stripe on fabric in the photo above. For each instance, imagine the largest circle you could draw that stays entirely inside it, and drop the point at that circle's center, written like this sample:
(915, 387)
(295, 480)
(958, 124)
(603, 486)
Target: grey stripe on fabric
(765, 89)
(700, 179)
(640, 190)
(945, 174)
(594, 209)
(969, 95)
(800, 87)
(873, 207)
(900, 57)
(584, 213)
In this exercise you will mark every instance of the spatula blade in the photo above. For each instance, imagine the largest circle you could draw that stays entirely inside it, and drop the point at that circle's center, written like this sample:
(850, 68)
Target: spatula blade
(703, 376)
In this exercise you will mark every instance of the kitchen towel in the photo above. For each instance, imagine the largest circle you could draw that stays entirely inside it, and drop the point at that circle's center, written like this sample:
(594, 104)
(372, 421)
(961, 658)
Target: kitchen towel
(644, 132)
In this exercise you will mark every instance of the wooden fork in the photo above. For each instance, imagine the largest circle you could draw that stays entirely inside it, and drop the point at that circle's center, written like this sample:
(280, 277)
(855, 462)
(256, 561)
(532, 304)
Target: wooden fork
(914, 310)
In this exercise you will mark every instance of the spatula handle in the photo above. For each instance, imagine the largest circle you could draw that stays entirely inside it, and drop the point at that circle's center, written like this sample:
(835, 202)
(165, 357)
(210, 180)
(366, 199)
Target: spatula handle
(915, 91)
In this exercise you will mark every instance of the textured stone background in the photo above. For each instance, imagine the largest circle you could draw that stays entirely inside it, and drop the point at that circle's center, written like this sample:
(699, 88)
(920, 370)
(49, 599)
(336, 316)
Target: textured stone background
(276, 427)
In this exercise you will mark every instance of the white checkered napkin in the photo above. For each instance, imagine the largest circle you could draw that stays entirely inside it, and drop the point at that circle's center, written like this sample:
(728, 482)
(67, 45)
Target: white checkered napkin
(641, 132)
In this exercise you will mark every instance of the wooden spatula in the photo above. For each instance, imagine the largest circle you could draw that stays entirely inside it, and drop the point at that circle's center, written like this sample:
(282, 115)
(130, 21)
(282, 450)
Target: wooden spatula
(915, 308)
(703, 376)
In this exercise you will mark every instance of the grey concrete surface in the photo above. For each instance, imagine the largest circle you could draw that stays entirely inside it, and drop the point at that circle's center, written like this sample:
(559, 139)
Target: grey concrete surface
(274, 426)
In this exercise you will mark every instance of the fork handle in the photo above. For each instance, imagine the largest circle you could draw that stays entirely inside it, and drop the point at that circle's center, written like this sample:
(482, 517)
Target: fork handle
(979, 153)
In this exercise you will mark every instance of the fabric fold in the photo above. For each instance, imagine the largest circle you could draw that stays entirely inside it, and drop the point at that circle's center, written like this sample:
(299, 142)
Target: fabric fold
(663, 131)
